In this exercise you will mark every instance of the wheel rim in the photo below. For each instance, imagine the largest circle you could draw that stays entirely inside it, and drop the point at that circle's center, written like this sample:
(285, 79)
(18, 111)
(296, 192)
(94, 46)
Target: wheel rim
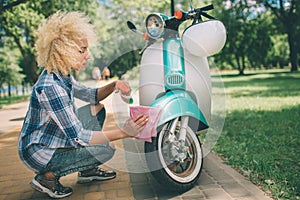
(190, 168)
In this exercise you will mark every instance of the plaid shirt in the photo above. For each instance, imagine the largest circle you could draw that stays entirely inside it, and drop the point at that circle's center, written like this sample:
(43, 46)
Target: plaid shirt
(51, 120)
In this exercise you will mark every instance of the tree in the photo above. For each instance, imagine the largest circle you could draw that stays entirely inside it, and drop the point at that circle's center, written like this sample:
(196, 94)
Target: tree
(279, 54)
(260, 41)
(9, 69)
(287, 13)
(6, 5)
(20, 23)
(248, 40)
(123, 44)
(19, 20)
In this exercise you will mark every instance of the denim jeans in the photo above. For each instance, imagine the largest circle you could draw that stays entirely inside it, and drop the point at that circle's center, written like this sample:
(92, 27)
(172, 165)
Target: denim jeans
(69, 160)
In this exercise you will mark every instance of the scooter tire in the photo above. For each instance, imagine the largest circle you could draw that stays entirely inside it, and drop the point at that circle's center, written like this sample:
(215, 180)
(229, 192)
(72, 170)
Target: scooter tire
(159, 172)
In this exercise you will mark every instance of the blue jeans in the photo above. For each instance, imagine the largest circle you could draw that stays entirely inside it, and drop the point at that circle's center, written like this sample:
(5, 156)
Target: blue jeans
(69, 160)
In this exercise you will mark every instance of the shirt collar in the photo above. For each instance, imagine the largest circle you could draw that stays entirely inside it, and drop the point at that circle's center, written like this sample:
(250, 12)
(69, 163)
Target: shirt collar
(66, 79)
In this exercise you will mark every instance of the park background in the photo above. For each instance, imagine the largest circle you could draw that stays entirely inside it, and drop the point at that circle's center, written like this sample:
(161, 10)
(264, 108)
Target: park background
(259, 68)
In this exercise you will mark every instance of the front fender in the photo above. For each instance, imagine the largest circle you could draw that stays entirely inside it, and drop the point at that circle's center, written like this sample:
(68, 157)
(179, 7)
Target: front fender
(178, 103)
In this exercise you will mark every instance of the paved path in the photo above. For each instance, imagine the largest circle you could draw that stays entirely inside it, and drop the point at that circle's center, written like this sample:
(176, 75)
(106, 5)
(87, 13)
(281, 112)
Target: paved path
(218, 181)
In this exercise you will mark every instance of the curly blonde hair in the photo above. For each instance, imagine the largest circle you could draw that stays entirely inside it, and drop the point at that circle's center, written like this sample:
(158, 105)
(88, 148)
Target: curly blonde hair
(57, 40)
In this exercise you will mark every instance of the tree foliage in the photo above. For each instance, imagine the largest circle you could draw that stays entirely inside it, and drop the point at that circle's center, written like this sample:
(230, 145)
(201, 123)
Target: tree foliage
(9, 69)
(288, 17)
(261, 34)
(6, 4)
(253, 31)
(20, 21)
(119, 49)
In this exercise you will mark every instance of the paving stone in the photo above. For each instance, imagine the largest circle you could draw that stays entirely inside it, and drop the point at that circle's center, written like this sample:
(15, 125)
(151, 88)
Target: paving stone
(210, 186)
(94, 196)
(75, 196)
(26, 195)
(16, 189)
(194, 193)
(143, 192)
(13, 196)
(205, 179)
(93, 188)
(216, 194)
(2, 196)
(124, 193)
(138, 178)
(236, 190)
(217, 181)
(214, 176)
(38, 195)
(110, 194)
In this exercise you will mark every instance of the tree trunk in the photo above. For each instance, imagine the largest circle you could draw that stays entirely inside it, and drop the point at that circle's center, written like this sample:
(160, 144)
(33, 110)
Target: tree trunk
(243, 66)
(240, 68)
(30, 68)
(293, 50)
(9, 89)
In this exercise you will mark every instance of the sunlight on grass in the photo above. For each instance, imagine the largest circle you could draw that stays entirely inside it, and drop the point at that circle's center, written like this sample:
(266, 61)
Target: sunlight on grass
(260, 103)
(262, 129)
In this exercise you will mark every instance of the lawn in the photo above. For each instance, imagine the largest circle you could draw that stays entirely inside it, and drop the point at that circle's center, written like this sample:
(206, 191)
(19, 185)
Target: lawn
(261, 135)
(6, 100)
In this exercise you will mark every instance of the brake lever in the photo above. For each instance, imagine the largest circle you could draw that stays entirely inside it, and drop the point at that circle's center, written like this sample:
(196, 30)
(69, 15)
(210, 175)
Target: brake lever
(150, 41)
(199, 18)
(207, 15)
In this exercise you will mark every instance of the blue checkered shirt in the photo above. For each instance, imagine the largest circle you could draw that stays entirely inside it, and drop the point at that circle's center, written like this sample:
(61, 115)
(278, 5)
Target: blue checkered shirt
(51, 121)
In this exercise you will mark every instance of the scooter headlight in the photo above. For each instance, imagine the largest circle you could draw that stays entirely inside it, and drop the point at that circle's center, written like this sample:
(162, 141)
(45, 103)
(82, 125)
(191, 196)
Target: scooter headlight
(155, 26)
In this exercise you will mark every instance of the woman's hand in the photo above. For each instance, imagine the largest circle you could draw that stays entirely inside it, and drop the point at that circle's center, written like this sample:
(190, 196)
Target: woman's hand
(133, 126)
(123, 86)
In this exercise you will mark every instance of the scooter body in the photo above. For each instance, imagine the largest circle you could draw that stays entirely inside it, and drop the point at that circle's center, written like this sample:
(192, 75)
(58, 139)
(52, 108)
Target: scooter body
(172, 77)
(175, 76)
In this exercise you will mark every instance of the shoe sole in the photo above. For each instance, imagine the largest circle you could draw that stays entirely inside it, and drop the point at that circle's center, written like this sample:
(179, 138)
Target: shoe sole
(93, 178)
(37, 186)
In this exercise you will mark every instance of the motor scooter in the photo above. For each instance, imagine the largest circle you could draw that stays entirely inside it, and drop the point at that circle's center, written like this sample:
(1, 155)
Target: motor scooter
(175, 77)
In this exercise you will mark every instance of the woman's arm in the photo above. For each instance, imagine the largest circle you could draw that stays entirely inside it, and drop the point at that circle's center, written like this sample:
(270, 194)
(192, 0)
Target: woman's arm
(106, 90)
(84, 93)
(130, 129)
(101, 137)
(56, 102)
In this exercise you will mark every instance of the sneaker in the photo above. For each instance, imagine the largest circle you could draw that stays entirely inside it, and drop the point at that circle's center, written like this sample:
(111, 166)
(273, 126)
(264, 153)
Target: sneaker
(52, 187)
(95, 174)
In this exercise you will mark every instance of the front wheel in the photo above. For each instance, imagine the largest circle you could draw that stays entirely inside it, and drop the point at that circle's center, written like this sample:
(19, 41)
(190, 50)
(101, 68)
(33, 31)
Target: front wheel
(174, 163)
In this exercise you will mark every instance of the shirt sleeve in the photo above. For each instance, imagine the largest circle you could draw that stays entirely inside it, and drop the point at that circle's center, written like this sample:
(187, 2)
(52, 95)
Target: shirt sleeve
(84, 93)
(57, 103)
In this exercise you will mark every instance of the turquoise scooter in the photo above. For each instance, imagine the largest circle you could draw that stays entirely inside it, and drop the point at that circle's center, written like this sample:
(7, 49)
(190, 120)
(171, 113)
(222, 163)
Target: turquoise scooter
(175, 77)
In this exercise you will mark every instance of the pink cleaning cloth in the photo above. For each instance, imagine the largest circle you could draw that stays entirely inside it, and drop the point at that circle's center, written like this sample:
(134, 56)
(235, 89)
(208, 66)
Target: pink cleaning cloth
(149, 130)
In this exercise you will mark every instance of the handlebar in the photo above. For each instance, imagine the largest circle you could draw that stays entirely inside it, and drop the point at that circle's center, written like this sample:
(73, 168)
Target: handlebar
(207, 8)
(198, 12)
(171, 24)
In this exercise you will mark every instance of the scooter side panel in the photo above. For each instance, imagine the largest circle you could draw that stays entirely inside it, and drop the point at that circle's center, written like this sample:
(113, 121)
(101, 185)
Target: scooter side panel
(197, 73)
(177, 103)
(198, 81)
(151, 82)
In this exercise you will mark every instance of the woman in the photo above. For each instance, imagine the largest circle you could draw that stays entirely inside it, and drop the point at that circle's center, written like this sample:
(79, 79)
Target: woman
(56, 139)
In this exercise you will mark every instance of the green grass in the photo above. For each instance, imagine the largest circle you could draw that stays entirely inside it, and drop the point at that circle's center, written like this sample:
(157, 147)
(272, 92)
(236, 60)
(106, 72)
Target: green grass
(6, 100)
(261, 135)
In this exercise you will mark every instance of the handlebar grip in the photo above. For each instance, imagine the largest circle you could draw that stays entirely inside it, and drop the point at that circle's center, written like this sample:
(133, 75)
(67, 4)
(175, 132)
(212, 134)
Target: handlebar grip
(206, 8)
